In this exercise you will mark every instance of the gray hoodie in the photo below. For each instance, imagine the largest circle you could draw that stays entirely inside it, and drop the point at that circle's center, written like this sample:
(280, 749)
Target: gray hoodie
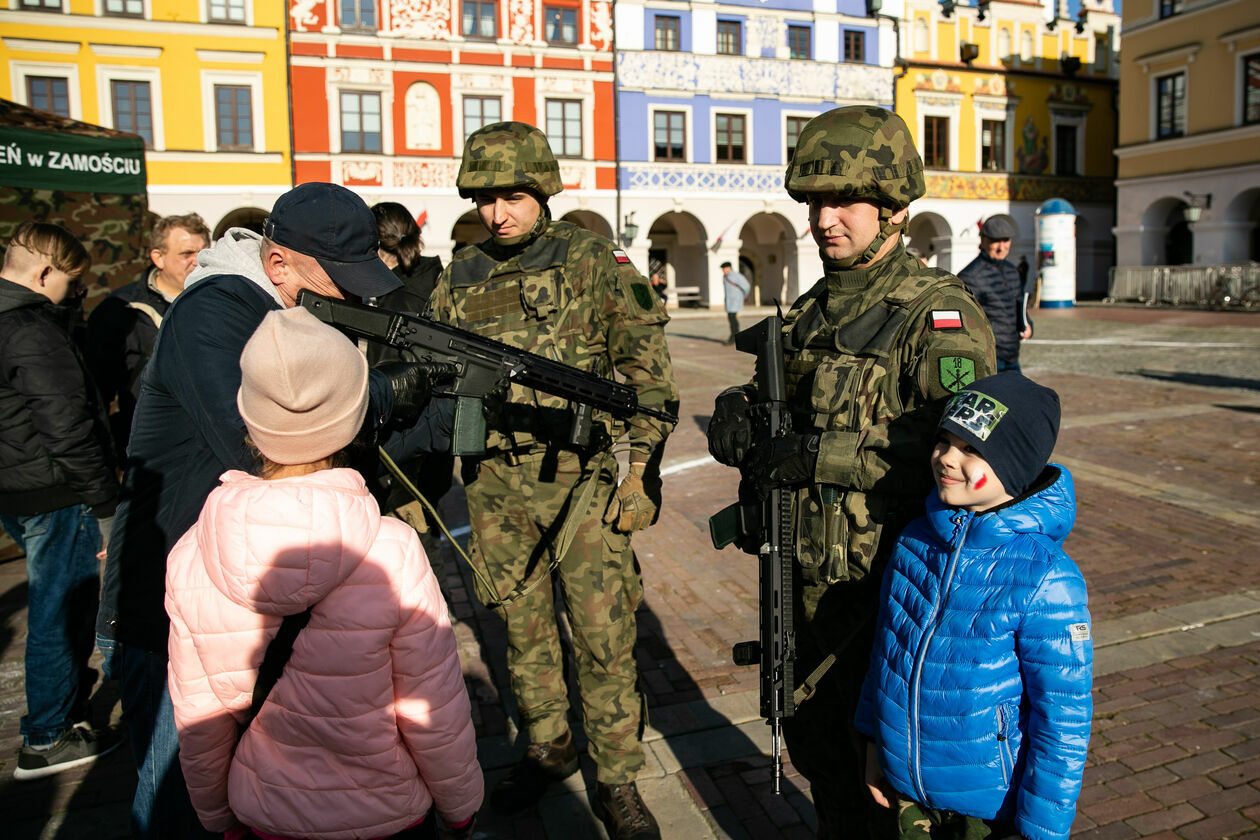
(235, 253)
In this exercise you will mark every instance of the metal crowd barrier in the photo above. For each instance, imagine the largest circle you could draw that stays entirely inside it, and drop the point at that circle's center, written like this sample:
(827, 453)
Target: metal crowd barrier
(1222, 285)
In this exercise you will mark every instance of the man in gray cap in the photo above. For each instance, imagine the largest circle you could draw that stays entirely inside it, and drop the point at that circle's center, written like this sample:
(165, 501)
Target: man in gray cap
(998, 289)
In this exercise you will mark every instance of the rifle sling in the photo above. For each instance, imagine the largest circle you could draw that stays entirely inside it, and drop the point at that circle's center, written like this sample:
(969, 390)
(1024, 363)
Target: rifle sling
(274, 659)
(809, 686)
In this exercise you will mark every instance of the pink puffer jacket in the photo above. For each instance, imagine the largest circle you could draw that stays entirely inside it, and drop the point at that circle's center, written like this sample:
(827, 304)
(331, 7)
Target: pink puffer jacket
(370, 723)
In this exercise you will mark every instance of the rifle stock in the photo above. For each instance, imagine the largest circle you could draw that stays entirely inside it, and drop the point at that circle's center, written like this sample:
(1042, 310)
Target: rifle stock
(480, 366)
(763, 526)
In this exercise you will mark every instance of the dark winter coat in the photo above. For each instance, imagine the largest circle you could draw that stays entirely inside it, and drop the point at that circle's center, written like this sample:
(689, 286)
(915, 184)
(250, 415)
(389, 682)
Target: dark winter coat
(996, 286)
(412, 298)
(55, 449)
(120, 338)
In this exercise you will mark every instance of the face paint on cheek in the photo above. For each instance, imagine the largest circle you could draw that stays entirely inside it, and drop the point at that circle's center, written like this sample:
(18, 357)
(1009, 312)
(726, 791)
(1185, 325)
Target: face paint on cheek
(978, 480)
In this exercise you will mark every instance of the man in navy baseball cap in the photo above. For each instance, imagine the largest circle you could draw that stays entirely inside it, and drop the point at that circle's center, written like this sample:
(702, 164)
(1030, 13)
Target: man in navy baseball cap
(332, 225)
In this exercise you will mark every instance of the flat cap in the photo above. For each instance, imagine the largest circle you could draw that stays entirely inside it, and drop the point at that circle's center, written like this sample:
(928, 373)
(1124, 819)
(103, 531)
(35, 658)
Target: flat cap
(997, 227)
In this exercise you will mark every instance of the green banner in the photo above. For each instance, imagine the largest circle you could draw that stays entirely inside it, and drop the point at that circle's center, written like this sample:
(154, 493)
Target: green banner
(51, 160)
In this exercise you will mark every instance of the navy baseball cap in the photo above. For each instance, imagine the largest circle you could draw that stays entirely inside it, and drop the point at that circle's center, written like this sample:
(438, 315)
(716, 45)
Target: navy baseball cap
(334, 226)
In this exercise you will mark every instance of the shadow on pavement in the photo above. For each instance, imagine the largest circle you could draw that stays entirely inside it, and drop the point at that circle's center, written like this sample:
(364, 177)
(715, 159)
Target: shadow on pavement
(1207, 380)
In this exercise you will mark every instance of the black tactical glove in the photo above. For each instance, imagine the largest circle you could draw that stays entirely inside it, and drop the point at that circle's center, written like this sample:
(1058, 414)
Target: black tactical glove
(730, 430)
(785, 461)
(413, 385)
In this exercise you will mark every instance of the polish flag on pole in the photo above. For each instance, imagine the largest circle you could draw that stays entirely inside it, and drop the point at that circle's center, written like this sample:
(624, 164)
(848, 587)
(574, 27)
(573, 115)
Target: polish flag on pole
(422, 219)
(717, 243)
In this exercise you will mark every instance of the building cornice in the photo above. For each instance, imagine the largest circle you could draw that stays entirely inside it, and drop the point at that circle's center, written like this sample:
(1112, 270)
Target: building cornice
(1003, 70)
(136, 25)
(1186, 51)
(1181, 144)
(1133, 27)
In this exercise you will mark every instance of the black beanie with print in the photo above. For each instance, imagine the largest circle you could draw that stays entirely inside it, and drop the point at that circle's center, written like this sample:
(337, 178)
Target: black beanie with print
(1011, 421)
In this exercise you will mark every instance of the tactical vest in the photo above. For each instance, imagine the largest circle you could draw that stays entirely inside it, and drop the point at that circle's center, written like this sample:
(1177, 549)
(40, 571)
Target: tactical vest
(530, 302)
(847, 378)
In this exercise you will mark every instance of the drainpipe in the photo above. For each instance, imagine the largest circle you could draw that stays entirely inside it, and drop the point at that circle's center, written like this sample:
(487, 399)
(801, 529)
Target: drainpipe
(898, 61)
(288, 84)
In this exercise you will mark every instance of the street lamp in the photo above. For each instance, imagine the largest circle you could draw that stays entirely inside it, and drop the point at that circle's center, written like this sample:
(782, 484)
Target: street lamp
(1195, 205)
(629, 230)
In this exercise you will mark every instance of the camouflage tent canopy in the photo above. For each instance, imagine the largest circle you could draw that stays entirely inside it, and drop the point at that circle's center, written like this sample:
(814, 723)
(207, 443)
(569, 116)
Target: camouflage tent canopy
(88, 179)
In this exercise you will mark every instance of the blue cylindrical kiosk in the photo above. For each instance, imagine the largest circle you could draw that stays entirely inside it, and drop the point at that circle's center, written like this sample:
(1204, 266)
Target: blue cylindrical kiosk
(1056, 253)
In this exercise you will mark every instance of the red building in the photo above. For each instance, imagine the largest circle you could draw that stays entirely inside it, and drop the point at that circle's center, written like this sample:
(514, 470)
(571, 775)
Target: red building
(385, 91)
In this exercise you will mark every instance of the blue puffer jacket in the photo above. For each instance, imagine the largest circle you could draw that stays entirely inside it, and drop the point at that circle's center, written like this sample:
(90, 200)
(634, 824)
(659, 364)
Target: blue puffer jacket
(978, 694)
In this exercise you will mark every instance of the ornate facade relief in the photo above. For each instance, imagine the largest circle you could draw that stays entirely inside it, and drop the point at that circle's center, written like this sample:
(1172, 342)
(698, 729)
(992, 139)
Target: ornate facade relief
(424, 174)
(770, 77)
(601, 30)
(423, 115)
(430, 19)
(304, 16)
(520, 28)
(552, 84)
(765, 36)
(362, 171)
(497, 83)
(358, 75)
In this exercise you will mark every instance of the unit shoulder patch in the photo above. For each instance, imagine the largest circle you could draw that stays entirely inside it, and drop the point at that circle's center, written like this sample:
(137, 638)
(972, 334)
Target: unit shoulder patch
(956, 372)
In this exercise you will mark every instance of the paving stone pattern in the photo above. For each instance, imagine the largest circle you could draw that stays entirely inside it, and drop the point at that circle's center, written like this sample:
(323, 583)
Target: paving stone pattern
(1162, 432)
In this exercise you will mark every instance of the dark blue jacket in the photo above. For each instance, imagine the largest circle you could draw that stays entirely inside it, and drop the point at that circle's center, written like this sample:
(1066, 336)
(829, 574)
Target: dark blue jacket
(998, 290)
(978, 692)
(186, 433)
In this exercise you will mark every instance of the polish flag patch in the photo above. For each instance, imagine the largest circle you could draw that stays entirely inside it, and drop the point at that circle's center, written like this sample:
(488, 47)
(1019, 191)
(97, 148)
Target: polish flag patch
(946, 319)
(620, 256)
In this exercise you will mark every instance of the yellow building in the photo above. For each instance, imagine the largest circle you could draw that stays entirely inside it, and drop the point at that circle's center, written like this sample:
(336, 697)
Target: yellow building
(203, 81)
(1189, 154)
(1012, 104)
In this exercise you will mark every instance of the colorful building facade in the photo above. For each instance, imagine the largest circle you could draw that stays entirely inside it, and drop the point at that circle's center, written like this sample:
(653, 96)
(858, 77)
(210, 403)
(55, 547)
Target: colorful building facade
(711, 97)
(1189, 153)
(202, 81)
(385, 92)
(1012, 104)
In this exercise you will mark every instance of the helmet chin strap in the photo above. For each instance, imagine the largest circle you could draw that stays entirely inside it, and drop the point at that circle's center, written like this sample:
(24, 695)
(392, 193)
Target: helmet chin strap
(887, 227)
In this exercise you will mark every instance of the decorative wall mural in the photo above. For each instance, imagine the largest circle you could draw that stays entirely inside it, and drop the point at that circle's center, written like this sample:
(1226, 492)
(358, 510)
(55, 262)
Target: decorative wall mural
(304, 17)
(601, 31)
(689, 73)
(1019, 188)
(1032, 157)
(520, 21)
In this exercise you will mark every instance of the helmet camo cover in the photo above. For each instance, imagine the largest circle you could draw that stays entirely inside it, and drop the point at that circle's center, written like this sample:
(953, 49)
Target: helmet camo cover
(508, 154)
(860, 151)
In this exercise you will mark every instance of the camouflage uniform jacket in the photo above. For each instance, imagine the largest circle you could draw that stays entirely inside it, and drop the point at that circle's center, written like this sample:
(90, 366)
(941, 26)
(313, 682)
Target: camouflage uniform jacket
(569, 295)
(871, 355)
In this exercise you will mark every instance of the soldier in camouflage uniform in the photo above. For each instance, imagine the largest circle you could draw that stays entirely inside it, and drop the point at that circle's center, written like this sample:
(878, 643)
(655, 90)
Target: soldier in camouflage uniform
(542, 508)
(872, 352)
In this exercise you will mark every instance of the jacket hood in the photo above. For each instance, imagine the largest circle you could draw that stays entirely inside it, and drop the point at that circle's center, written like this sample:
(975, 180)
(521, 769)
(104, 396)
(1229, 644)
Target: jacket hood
(277, 547)
(236, 253)
(1050, 510)
(16, 296)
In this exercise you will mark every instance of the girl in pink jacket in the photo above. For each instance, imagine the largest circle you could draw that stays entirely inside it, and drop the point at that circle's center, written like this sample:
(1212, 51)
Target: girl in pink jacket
(369, 726)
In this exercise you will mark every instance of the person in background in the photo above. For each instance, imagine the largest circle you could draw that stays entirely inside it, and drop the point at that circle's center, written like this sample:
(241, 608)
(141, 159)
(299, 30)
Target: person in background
(431, 473)
(977, 702)
(660, 285)
(997, 287)
(737, 288)
(369, 724)
(123, 328)
(57, 482)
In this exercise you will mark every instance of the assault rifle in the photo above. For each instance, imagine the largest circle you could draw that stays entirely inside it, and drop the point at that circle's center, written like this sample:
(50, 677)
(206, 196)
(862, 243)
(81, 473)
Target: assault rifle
(478, 366)
(762, 526)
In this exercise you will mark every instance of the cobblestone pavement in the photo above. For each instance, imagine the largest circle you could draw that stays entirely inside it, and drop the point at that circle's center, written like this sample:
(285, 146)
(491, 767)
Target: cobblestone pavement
(1162, 432)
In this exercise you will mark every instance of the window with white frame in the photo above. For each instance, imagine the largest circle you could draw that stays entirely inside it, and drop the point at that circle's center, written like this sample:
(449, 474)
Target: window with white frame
(854, 45)
(225, 11)
(1170, 106)
(39, 5)
(49, 93)
(939, 122)
(561, 24)
(234, 118)
(131, 103)
(479, 19)
(936, 142)
(993, 145)
(799, 42)
(1251, 88)
(669, 135)
(123, 8)
(564, 126)
(481, 111)
(793, 127)
(730, 37)
(358, 14)
(665, 29)
(730, 134)
(360, 121)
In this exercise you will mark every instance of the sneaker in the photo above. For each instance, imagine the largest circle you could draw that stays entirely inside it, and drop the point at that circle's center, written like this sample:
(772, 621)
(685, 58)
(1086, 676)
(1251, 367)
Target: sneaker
(80, 745)
(544, 763)
(623, 812)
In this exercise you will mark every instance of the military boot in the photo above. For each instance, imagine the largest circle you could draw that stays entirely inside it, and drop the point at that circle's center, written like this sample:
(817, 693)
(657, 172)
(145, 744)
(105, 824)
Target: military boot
(624, 813)
(544, 763)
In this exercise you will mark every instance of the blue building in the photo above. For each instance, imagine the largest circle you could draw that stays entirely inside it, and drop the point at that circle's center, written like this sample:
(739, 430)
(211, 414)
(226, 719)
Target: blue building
(711, 97)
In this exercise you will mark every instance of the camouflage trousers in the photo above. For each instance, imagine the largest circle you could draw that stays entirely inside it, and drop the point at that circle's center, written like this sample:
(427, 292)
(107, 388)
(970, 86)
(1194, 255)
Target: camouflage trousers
(517, 505)
(919, 822)
(821, 739)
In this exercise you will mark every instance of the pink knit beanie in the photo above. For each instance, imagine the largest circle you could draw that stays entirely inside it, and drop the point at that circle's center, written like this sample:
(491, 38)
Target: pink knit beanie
(304, 388)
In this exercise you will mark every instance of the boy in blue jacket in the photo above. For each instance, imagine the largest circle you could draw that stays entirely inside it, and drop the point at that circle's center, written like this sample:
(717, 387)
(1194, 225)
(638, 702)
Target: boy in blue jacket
(977, 701)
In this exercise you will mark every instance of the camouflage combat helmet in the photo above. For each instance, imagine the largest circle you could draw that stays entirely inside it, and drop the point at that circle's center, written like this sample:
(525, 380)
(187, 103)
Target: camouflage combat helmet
(508, 154)
(860, 151)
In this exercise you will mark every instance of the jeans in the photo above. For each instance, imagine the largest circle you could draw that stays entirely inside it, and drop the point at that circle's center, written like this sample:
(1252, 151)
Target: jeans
(161, 808)
(62, 585)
